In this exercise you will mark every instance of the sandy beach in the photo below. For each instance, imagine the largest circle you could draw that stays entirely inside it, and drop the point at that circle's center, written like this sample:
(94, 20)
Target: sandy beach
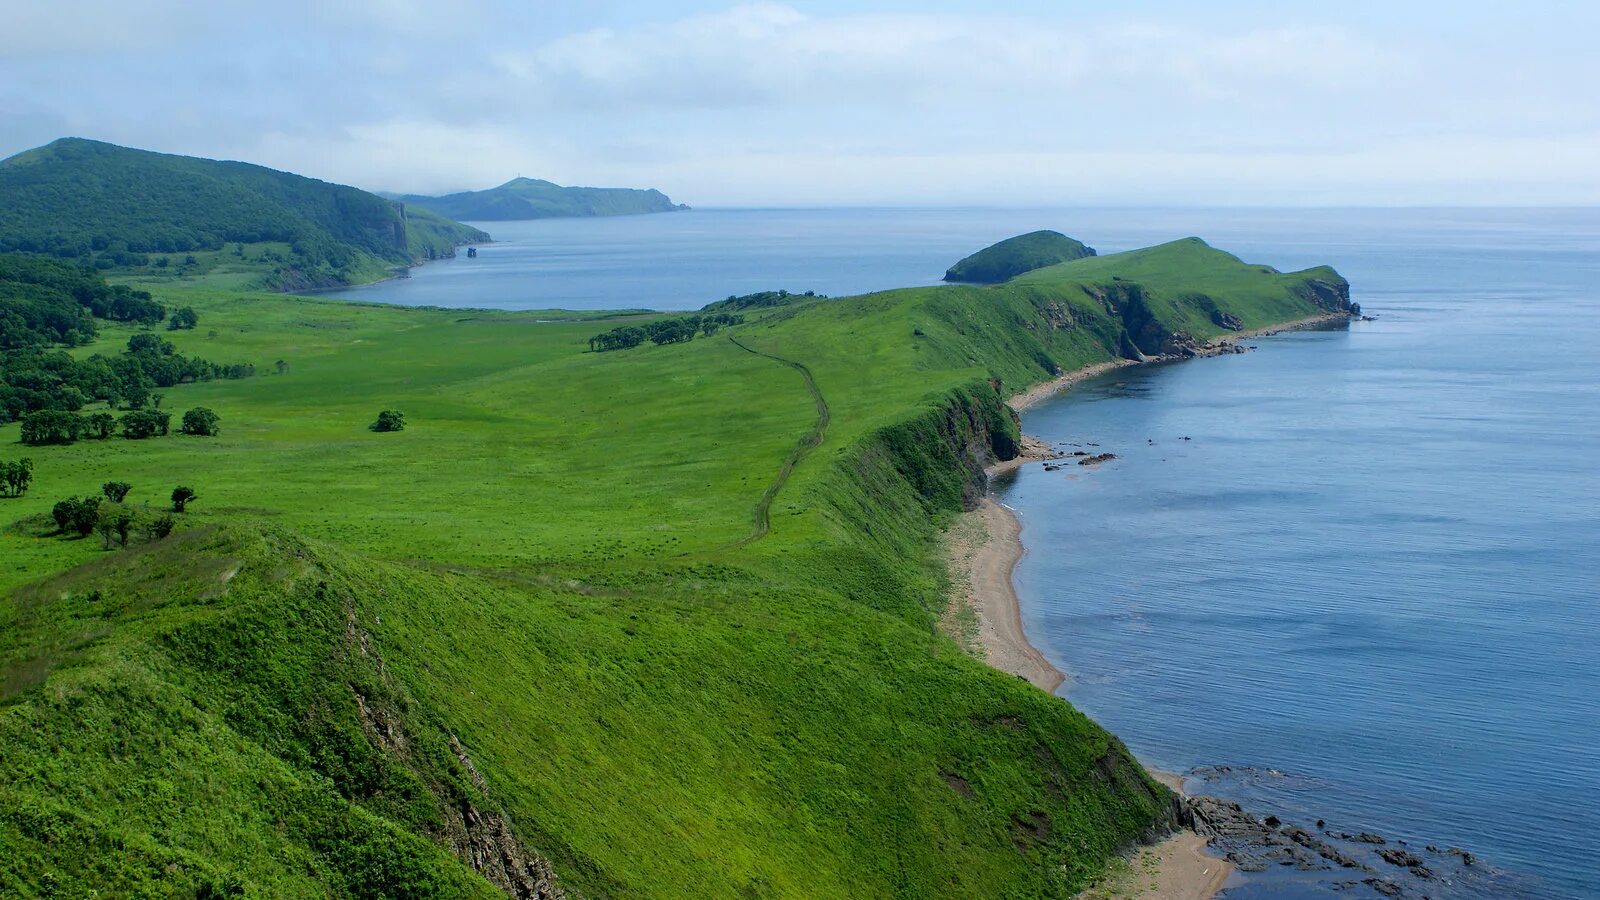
(983, 548)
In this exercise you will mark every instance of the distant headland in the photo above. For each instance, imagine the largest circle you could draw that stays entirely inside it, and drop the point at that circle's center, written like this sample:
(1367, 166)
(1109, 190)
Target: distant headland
(533, 198)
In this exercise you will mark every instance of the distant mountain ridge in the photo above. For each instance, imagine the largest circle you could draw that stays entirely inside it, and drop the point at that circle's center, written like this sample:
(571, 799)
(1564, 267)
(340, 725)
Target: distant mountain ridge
(114, 206)
(534, 198)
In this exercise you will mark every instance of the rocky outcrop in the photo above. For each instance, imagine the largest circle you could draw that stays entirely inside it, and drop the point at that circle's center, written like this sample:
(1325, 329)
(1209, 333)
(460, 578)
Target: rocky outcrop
(1330, 294)
(1333, 858)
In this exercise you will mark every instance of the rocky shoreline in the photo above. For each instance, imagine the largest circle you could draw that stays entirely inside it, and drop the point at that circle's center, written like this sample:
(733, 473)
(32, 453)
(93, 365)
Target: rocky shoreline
(1329, 858)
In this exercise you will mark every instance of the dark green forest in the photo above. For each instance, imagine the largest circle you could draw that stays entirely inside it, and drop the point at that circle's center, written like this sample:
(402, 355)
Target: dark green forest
(1014, 256)
(114, 207)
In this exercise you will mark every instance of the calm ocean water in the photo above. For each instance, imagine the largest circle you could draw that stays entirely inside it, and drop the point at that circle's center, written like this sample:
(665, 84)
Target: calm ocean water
(1369, 583)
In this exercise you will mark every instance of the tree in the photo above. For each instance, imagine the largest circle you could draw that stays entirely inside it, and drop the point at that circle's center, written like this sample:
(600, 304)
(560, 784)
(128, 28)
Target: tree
(15, 477)
(73, 514)
(99, 425)
(389, 420)
(182, 497)
(115, 491)
(122, 524)
(62, 513)
(144, 423)
(113, 520)
(183, 319)
(201, 422)
(143, 344)
(283, 367)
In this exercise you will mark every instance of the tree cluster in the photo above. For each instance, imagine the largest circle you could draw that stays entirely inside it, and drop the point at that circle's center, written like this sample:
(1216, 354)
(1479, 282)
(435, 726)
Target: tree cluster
(114, 521)
(45, 301)
(52, 380)
(56, 426)
(761, 300)
(662, 331)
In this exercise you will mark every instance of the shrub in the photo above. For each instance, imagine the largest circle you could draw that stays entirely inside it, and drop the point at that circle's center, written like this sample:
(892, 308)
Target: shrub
(159, 527)
(389, 420)
(182, 497)
(115, 490)
(200, 421)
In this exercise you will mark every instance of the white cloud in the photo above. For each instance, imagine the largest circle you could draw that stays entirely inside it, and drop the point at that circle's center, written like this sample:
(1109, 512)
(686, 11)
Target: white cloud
(768, 103)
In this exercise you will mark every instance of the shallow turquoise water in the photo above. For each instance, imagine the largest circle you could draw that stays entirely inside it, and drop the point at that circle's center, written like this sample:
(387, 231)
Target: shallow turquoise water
(1370, 582)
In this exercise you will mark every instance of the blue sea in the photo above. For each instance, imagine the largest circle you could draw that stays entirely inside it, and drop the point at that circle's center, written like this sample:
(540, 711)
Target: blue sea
(1365, 589)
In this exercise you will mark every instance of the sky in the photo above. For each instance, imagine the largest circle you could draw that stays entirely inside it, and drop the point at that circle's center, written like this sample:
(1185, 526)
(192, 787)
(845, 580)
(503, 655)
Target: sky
(888, 103)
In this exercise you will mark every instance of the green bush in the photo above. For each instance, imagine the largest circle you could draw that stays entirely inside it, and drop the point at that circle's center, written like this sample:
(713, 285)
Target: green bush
(200, 421)
(389, 420)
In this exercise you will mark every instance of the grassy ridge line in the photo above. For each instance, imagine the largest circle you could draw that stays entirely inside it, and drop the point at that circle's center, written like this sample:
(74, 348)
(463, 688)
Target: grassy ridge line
(813, 440)
(778, 719)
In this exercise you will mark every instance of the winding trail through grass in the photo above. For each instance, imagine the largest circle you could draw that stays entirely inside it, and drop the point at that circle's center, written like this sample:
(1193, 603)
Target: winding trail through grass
(813, 440)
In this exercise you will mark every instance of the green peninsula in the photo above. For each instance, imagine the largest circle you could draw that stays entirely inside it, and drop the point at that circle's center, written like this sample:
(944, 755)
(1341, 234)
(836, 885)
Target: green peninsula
(651, 622)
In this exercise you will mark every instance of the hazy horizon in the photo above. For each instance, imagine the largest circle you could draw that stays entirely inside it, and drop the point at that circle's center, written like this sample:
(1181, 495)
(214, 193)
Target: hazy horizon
(937, 104)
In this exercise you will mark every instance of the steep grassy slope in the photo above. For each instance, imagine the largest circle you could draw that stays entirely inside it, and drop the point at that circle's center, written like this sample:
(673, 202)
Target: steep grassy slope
(1013, 256)
(532, 198)
(130, 209)
(544, 626)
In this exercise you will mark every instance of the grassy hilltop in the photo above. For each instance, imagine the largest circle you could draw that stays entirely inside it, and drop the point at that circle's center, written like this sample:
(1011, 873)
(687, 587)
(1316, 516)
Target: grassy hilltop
(162, 217)
(649, 622)
(534, 198)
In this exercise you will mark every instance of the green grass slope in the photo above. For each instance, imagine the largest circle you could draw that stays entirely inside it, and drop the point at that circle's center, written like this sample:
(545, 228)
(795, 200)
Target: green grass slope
(533, 198)
(1014, 256)
(128, 210)
(657, 622)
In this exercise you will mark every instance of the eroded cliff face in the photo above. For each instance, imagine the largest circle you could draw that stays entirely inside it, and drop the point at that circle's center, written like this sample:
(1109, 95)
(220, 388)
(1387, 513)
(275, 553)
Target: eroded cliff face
(1330, 293)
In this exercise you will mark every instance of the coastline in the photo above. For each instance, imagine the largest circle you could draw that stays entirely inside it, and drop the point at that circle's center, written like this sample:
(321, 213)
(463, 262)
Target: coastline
(988, 545)
(983, 554)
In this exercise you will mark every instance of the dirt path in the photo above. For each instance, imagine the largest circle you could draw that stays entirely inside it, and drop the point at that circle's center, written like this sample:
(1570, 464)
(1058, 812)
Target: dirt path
(763, 511)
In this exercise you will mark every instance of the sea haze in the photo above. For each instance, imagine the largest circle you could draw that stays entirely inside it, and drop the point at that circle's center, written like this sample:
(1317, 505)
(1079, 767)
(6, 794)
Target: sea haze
(1367, 583)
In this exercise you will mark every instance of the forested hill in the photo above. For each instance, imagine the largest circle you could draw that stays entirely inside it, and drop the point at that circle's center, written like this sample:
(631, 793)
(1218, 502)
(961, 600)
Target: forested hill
(532, 198)
(121, 208)
(1014, 256)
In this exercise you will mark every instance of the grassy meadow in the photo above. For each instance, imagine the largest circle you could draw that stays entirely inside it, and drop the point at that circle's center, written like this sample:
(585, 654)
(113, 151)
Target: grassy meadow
(551, 603)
